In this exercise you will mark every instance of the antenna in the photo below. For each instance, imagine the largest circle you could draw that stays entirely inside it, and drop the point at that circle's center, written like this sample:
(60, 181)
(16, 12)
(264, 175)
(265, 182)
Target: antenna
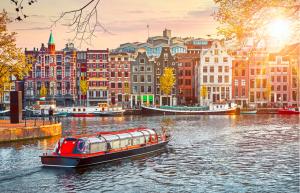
(148, 30)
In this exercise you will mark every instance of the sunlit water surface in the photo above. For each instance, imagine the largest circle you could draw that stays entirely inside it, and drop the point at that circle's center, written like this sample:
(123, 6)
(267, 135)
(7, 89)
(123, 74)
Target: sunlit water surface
(249, 153)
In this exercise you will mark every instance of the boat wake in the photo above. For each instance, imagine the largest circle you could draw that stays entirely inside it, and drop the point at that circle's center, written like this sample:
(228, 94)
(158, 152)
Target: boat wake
(20, 174)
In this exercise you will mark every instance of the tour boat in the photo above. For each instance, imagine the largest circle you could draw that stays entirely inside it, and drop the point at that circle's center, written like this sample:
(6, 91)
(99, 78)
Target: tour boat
(212, 109)
(289, 110)
(105, 147)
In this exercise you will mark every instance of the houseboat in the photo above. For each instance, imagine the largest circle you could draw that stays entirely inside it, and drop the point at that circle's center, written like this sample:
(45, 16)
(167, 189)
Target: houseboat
(289, 110)
(41, 108)
(105, 147)
(212, 109)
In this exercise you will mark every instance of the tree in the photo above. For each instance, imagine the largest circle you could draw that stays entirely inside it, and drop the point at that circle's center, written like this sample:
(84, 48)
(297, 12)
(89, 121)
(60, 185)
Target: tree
(167, 81)
(43, 91)
(84, 87)
(203, 92)
(12, 60)
(241, 19)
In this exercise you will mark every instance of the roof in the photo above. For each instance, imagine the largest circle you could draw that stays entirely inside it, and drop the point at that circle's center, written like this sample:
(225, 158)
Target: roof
(51, 39)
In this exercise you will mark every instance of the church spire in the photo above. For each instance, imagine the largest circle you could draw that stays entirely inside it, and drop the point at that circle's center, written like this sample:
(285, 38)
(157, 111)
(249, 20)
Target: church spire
(51, 39)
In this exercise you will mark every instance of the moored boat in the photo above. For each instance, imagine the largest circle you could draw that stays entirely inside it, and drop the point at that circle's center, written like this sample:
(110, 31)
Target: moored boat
(248, 112)
(289, 110)
(105, 147)
(213, 109)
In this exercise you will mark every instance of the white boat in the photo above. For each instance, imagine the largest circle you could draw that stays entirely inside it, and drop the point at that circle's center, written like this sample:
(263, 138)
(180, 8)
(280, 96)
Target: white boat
(41, 108)
(212, 109)
(90, 111)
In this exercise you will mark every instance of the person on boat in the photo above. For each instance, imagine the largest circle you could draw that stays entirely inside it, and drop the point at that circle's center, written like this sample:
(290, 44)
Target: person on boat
(50, 114)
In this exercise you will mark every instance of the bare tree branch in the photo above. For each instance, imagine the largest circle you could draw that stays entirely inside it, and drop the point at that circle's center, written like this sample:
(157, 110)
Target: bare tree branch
(84, 22)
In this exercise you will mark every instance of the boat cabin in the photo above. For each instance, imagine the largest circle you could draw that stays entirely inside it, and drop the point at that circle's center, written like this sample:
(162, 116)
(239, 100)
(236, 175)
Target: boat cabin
(105, 142)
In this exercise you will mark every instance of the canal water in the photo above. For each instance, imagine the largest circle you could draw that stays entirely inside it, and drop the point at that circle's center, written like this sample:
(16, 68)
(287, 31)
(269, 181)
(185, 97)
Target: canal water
(246, 153)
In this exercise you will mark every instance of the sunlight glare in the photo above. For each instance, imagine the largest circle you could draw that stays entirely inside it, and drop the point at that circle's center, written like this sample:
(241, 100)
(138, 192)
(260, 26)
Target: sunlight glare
(279, 29)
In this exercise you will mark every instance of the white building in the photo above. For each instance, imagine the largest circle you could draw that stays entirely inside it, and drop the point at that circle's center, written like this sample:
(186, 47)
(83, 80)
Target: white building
(214, 75)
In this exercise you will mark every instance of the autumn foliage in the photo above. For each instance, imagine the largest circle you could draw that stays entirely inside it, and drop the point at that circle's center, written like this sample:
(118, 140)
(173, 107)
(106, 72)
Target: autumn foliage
(167, 81)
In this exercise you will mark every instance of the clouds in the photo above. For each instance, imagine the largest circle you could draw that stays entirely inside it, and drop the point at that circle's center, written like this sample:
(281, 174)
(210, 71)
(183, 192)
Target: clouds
(127, 20)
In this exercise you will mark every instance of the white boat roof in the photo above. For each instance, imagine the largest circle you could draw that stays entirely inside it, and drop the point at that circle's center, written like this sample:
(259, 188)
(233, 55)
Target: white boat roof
(124, 135)
(110, 137)
(136, 134)
(95, 140)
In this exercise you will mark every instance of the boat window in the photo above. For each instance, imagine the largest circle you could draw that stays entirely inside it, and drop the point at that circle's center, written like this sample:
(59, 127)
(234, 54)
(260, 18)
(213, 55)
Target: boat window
(74, 109)
(136, 141)
(97, 147)
(78, 110)
(124, 143)
(115, 144)
(80, 147)
(83, 109)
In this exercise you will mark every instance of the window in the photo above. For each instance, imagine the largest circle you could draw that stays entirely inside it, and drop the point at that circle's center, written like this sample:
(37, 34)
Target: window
(135, 89)
(148, 69)
(278, 78)
(119, 84)
(142, 60)
(135, 78)
(220, 68)
(284, 87)
(119, 97)
(142, 68)
(243, 72)
(225, 59)
(216, 60)
(112, 85)
(149, 89)
(278, 87)
(284, 79)
(206, 59)
(216, 52)
(119, 74)
(211, 79)
(252, 72)
(126, 74)
(188, 73)
(211, 69)
(226, 79)
(112, 74)
(205, 69)
(226, 68)
(219, 79)
(157, 71)
(142, 89)
(142, 78)
(188, 82)
(205, 79)
(149, 78)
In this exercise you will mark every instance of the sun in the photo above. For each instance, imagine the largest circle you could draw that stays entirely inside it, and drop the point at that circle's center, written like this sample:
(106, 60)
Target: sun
(279, 29)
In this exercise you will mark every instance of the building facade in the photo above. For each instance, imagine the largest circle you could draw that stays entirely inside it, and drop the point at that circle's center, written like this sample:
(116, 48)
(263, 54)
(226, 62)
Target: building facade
(97, 76)
(186, 81)
(81, 61)
(142, 80)
(240, 79)
(214, 75)
(165, 60)
(54, 70)
(119, 79)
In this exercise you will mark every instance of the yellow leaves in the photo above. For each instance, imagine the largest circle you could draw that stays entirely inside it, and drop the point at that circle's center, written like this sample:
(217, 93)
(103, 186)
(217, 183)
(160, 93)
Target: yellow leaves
(12, 59)
(84, 87)
(43, 91)
(167, 80)
(203, 91)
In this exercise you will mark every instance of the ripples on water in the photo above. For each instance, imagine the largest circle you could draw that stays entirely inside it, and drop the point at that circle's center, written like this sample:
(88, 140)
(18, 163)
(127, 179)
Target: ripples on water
(247, 153)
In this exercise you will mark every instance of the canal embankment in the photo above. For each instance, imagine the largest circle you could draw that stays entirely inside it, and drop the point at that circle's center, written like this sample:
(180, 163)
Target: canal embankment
(29, 129)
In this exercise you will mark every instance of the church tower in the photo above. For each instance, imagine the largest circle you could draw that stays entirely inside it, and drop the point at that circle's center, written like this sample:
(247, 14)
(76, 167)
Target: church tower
(51, 44)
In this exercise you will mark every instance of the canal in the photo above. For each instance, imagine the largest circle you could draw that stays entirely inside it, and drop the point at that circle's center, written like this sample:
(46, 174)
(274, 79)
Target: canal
(246, 153)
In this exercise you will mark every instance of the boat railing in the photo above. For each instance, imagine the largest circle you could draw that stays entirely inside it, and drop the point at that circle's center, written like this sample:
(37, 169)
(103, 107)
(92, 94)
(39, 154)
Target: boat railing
(202, 108)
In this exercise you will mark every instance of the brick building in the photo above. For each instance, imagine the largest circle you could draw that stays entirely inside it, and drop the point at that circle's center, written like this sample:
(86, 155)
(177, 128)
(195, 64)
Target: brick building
(119, 79)
(97, 76)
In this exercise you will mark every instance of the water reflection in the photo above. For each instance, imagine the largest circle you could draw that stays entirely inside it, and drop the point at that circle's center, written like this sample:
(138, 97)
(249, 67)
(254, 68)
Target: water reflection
(207, 154)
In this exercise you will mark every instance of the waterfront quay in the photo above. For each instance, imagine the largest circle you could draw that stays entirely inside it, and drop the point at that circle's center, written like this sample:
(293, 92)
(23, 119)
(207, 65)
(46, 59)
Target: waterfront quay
(28, 129)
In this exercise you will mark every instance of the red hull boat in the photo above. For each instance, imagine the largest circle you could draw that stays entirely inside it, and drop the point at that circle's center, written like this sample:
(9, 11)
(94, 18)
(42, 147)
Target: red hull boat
(105, 147)
(289, 111)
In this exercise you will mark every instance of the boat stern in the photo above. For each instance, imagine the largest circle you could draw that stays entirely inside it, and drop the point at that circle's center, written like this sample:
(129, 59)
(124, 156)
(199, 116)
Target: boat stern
(59, 161)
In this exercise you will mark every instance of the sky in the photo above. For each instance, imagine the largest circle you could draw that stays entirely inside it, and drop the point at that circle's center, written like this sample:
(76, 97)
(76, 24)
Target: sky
(126, 20)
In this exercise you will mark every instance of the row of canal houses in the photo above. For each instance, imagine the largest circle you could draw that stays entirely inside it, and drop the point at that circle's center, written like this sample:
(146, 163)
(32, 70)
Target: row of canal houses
(129, 76)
